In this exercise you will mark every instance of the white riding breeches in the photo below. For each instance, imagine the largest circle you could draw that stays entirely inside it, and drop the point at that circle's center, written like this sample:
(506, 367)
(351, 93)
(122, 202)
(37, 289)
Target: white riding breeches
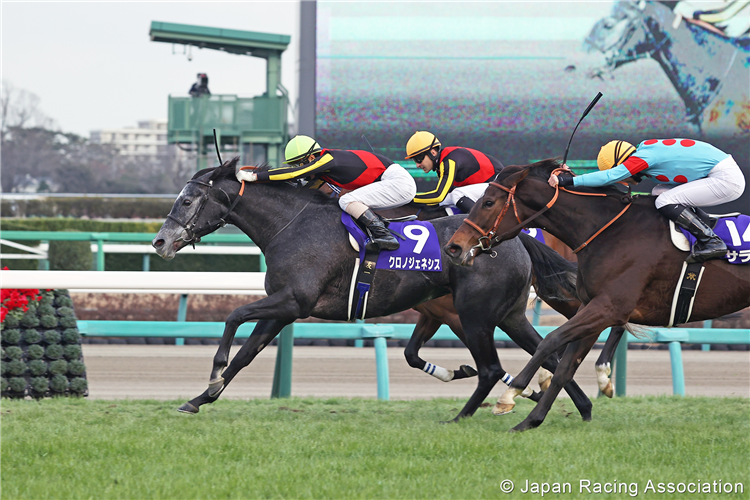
(725, 183)
(473, 191)
(395, 188)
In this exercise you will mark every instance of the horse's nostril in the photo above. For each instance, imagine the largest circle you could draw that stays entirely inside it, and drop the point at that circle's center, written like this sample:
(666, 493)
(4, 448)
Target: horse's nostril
(157, 243)
(452, 249)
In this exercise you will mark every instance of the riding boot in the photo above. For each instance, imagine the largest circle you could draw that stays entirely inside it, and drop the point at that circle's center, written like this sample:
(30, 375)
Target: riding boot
(702, 215)
(708, 245)
(380, 235)
(465, 204)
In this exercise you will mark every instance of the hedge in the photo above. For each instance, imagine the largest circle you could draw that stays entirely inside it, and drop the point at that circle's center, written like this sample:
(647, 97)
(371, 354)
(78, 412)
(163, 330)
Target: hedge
(93, 207)
(42, 362)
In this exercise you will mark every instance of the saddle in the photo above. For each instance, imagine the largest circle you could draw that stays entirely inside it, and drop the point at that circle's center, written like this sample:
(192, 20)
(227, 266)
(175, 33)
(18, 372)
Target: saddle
(419, 251)
(734, 229)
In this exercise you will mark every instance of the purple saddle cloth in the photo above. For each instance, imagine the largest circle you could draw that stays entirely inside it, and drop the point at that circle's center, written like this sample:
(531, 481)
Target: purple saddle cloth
(735, 231)
(418, 251)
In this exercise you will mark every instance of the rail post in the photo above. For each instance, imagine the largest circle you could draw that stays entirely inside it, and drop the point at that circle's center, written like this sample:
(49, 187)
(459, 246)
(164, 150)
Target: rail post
(282, 374)
(674, 338)
(379, 334)
(621, 366)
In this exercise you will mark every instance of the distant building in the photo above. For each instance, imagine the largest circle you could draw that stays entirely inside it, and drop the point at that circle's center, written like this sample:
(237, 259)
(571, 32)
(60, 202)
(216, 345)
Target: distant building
(148, 141)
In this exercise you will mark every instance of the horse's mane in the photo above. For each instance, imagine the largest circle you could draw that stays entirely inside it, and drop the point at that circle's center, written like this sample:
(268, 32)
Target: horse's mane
(542, 170)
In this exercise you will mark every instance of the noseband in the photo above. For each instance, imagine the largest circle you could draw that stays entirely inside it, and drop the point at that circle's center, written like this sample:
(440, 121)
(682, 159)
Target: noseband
(189, 225)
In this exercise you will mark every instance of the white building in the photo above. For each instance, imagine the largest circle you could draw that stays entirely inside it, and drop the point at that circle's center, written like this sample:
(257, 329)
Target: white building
(148, 140)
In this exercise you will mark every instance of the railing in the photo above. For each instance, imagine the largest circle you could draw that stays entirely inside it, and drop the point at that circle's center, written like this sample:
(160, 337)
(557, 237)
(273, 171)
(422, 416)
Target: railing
(379, 333)
(98, 240)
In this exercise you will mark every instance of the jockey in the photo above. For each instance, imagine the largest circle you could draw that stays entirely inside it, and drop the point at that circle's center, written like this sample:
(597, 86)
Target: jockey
(374, 181)
(690, 174)
(463, 173)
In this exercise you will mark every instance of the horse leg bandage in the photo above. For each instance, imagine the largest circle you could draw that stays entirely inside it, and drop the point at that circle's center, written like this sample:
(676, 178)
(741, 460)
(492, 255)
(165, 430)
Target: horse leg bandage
(438, 372)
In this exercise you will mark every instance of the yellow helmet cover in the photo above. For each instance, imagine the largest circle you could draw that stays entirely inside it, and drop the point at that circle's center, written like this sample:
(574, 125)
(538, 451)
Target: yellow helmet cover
(614, 153)
(421, 142)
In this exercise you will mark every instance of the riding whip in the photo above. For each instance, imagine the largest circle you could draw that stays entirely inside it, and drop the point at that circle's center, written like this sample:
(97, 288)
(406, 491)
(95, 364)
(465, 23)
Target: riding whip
(372, 150)
(216, 145)
(589, 108)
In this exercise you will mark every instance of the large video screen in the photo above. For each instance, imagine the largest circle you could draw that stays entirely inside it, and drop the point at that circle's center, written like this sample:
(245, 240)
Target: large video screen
(512, 79)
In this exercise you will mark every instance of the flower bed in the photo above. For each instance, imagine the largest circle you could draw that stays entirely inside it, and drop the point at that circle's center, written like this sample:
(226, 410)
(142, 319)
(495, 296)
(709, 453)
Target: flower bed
(41, 345)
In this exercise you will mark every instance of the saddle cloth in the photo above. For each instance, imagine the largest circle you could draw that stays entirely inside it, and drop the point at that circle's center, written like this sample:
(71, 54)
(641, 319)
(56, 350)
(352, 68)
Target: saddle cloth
(419, 246)
(734, 229)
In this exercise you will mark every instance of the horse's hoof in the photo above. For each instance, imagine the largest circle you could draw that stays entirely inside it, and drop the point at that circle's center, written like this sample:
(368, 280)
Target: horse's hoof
(502, 409)
(468, 370)
(215, 386)
(545, 379)
(188, 408)
(609, 391)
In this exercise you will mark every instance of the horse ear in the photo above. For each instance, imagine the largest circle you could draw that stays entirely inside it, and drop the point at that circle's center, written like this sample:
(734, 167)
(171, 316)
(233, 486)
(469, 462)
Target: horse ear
(516, 177)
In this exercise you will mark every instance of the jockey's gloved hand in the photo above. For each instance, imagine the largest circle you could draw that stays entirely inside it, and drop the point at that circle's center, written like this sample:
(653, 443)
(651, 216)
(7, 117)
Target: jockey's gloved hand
(564, 179)
(246, 175)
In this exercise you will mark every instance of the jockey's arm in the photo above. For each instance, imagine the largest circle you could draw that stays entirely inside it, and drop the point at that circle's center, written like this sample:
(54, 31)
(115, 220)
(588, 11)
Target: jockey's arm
(317, 166)
(604, 177)
(446, 175)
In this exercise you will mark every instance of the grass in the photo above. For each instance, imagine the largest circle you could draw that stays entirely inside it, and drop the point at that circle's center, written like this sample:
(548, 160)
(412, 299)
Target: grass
(342, 448)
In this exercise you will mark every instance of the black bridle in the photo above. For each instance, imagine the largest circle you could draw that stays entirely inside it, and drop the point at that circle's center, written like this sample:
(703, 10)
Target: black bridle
(189, 225)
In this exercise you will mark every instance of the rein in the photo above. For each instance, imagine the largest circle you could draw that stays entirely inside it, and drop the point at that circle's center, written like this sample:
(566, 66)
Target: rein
(488, 238)
(189, 225)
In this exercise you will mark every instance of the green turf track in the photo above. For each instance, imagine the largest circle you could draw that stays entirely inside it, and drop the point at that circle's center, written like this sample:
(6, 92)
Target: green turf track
(341, 448)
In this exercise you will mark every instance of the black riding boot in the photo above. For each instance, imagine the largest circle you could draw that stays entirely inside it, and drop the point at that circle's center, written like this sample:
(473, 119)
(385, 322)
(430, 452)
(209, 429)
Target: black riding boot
(380, 235)
(465, 204)
(708, 246)
(702, 215)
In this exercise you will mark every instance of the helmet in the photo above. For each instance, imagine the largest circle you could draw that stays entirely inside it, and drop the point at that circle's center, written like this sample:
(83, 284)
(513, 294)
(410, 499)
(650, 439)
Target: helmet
(421, 142)
(299, 147)
(614, 153)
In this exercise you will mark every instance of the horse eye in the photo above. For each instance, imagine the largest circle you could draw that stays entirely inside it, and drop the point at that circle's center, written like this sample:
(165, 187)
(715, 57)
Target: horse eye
(187, 202)
(488, 204)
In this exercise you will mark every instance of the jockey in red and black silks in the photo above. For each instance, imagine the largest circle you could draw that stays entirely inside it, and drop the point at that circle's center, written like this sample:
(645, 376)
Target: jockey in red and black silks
(346, 169)
(374, 181)
(463, 173)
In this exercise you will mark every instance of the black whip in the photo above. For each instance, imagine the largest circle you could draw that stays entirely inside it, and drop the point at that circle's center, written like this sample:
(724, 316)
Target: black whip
(216, 145)
(589, 108)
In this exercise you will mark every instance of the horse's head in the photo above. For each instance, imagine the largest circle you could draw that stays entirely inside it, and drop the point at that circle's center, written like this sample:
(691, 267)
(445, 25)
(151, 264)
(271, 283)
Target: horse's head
(201, 208)
(512, 197)
(622, 36)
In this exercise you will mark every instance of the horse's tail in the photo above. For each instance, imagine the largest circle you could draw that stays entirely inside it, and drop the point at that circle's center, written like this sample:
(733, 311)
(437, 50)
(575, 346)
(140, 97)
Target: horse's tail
(554, 276)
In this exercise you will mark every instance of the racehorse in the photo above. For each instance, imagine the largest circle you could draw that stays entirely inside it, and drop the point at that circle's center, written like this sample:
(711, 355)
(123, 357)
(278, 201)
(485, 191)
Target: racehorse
(309, 272)
(627, 271)
(436, 312)
(708, 70)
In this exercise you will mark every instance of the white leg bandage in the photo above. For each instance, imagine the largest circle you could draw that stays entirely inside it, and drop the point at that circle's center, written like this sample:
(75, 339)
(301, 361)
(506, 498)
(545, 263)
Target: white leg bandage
(438, 372)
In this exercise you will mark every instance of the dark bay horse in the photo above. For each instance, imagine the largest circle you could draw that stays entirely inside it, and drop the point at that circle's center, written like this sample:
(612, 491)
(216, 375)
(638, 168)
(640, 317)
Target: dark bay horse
(709, 70)
(437, 312)
(626, 273)
(309, 271)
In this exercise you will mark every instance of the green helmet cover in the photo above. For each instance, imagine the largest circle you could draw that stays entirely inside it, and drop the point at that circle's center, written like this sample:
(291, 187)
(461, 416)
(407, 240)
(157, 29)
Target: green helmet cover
(300, 147)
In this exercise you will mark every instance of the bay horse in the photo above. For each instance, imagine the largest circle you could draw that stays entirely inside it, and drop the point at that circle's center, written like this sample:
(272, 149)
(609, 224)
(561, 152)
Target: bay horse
(437, 312)
(309, 272)
(708, 70)
(627, 271)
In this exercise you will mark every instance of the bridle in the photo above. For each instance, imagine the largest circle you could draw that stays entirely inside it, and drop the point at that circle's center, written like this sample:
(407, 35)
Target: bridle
(488, 239)
(189, 225)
